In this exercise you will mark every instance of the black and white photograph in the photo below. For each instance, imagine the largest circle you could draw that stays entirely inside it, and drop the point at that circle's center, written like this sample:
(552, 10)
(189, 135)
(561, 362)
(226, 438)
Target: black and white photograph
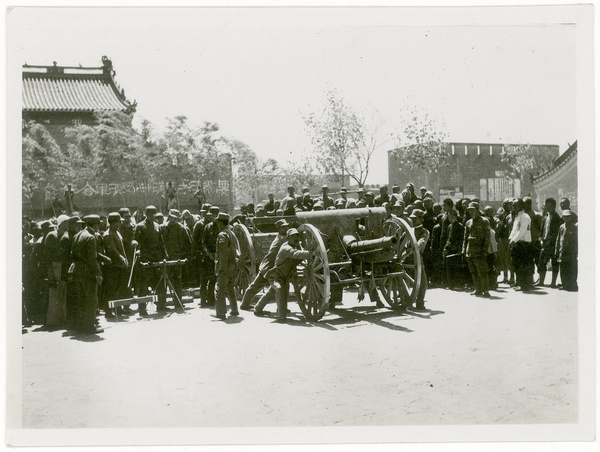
(288, 224)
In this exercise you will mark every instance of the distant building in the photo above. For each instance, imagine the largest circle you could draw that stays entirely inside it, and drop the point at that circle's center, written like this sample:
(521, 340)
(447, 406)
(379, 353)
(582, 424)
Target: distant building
(62, 96)
(472, 170)
(560, 181)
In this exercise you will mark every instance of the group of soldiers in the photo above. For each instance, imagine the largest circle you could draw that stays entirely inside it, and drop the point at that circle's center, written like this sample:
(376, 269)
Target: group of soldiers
(73, 265)
(464, 246)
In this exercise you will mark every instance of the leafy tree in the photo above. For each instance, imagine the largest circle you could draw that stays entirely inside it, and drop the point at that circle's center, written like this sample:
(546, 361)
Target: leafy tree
(524, 160)
(422, 144)
(341, 139)
(43, 162)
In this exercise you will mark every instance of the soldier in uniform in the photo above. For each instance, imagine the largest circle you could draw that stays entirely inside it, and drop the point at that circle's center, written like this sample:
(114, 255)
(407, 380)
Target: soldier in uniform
(178, 245)
(422, 236)
(453, 252)
(57, 288)
(287, 258)
(225, 268)
(475, 248)
(87, 275)
(288, 203)
(270, 205)
(267, 263)
(115, 273)
(370, 199)
(326, 199)
(550, 226)
(566, 251)
(209, 242)
(152, 249)
(202, 260)
(383, 196)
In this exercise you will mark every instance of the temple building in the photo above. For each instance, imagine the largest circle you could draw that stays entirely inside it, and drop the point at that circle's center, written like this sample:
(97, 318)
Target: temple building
(62, 96)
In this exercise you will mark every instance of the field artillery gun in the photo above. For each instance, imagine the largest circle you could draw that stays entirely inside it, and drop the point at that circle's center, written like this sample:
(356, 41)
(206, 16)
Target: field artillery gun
(349, 248)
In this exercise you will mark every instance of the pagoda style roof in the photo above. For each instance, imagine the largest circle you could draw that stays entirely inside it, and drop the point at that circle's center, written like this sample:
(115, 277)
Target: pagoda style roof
(73, 89)
(558, 163)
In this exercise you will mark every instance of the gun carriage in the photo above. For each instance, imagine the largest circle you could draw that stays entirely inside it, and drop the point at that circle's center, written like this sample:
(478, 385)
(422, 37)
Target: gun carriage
(349, 248)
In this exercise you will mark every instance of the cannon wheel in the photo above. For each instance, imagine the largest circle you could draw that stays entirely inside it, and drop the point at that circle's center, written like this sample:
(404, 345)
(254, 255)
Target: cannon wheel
(247, 265)
(400, 291)
(312, 285)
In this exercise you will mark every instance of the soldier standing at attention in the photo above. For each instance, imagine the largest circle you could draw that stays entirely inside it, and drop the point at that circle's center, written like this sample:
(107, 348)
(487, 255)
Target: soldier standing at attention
(86, 275)
(285, 263)
(475, 249)
(225, 268)
(115, 273)
(152, 249)
(566, 251)
(178, 245)
(550, 226)
(267, 264)
(209, 242)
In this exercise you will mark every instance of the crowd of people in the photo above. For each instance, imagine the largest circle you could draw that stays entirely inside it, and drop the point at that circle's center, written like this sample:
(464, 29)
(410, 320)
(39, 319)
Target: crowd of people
(73, 265)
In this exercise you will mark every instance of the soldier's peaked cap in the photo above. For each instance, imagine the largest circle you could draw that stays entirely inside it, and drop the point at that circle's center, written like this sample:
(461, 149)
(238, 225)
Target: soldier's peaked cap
(174, 213)
(214, 209)
(281, 223)
(473, 205)
(114, 217)
(61, 219)
(150, 209)
(124, 211)
(91, 219)
(292, 231)
(223, 216)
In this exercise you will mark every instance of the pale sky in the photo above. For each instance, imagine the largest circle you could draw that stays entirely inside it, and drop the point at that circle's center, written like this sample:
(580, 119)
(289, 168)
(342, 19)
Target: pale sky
(254, 71)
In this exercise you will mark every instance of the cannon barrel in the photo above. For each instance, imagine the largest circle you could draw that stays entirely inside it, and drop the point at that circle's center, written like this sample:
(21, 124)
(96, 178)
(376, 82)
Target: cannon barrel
(357, 246)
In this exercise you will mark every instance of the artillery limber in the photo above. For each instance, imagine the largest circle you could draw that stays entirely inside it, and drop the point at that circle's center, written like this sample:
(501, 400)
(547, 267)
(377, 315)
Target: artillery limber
(360, 248)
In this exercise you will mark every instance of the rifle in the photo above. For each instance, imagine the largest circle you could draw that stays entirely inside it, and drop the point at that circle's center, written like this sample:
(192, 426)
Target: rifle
(132, 265)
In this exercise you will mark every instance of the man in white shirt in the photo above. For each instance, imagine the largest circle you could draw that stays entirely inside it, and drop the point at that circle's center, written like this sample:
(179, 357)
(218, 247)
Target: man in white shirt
(520, 244)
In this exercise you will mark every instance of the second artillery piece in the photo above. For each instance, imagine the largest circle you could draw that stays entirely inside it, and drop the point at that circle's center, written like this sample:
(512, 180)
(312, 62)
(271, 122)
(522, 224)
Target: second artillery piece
(349, 248)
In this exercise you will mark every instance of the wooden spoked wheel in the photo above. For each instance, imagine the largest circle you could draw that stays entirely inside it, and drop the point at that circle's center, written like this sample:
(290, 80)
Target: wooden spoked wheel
(312, 284)
(247, 260)
(401, 287)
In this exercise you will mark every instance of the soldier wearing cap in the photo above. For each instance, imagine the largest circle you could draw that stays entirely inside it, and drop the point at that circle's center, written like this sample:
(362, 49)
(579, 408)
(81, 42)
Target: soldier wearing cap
(57, 289)
(178, 246)
(266, 264)
(326, 199)
(395, 196)
(287, 258)
(86, 275)
(342, 201)
(398, 212)
(289, 202)
(225, 268)
(475, 249)
(115, 273)
(550, 226)
(270, 205)
(66, 245)
(422, 236)
(202, 262)
(567, 249)
(383, 196)
(370, 199)
(360, 193)
(152, 249)
(209, 243)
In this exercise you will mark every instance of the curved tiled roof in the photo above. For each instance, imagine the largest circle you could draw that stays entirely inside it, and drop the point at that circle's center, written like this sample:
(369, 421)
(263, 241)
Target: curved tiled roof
(59, 89)
(558, 162)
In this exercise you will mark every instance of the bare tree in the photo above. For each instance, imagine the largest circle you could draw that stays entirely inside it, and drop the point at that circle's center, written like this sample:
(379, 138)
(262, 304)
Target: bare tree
(342, 141)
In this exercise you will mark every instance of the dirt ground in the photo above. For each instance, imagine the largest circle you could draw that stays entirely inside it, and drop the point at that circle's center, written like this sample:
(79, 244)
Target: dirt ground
(467, 360)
